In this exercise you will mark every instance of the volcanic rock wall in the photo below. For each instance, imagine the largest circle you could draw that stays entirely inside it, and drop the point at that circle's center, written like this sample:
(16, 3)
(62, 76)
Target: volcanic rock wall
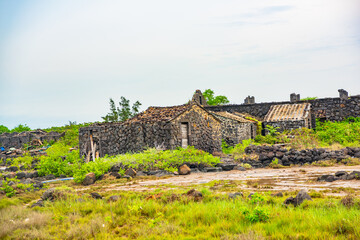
(17, 140)
(266, 154)
(332, 109)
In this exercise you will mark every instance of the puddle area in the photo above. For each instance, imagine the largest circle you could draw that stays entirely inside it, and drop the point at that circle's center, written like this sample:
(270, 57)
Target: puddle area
(287, 179)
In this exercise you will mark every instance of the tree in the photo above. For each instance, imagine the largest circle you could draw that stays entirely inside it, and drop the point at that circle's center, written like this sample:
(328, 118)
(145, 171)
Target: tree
(214, 100)
(3, 129)
(122, 113)
(21, 128)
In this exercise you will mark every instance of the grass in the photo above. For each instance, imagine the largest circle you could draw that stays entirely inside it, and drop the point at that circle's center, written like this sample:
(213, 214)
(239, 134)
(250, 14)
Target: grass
(172, 214)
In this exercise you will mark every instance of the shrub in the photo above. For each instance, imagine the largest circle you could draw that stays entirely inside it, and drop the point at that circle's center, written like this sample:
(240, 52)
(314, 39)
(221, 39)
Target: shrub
(225, 147)
(257, 215)
(25, 161)
(59, 160)
(344, 132)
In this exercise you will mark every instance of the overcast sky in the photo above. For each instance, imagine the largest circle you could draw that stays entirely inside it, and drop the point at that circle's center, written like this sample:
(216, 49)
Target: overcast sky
(63, 60)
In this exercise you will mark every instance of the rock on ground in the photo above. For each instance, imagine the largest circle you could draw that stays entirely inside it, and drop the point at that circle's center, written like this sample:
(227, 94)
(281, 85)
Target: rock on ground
(130, 172)
(89, 179)
(48, 194)
(184, 170)
(300, 197)
(95, 195)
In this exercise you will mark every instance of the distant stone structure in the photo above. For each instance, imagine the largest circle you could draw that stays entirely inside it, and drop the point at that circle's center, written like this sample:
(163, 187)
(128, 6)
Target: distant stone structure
(294, 97)
(249, 100)
(17, 140)
(330, 109)
(199, 98)
(343, 94)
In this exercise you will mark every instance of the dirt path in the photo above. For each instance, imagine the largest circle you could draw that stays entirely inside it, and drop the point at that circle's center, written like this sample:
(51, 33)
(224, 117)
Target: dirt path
(287, 179)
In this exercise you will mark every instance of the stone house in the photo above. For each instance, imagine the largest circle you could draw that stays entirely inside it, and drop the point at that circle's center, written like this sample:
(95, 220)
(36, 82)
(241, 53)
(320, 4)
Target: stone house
(289, 116)
(161, 127)
(235, 127)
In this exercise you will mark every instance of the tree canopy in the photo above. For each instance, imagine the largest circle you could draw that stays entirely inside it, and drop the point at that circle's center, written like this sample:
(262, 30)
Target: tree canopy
(211, 99)
(122, 113)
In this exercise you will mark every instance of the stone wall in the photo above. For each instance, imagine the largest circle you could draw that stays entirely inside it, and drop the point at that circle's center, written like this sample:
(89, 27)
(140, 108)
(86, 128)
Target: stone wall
(17, 140)
(266, 154)
(234, 132)
(285, 125)
(332, 109)
(117, 138)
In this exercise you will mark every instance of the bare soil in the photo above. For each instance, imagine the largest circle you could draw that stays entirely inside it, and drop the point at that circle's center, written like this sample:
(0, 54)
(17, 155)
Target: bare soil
(285, 179)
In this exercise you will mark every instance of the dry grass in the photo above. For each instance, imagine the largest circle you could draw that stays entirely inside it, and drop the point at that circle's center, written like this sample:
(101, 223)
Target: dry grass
(324, 163)
(348, 201)
(244, 236)
(87, 230)
(16, 217)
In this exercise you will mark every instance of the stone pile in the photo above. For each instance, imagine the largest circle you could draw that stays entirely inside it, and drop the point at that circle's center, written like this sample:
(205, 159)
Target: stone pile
(267, 154)
(340, 175)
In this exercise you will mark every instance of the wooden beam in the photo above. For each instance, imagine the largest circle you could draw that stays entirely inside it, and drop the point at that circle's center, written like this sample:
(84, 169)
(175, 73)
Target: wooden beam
(92, 148)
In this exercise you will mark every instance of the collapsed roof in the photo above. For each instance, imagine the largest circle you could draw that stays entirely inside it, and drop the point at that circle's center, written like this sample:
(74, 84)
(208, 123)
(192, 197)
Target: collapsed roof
(288, 112)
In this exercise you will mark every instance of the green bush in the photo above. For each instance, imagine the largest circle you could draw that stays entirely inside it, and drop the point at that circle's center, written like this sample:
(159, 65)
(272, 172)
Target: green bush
(346, 132)
(150, 159)
(59, 160)
(258, 214)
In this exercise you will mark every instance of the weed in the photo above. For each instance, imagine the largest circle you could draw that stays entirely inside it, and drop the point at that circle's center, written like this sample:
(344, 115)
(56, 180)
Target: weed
(275, 164)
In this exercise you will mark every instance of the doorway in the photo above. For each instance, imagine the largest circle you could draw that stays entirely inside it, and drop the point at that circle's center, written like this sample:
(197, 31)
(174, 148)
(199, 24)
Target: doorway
(184, 135)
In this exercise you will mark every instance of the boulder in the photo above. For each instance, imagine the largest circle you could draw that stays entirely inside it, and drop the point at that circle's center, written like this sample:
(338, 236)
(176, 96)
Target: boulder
(239, 168)
(48, 194)
(325, 177)
(20, 175)
(212, 169)
(300, 197)
(130, 172)
(89, 179)
(50, 177)
(11, 169)
(279, 194)
(354, 175)
(115, 174)
(114, 198)
(38, 185)
(227, 166)
(95, 195)
(235, 195)
(330, 178)
(195, 194)
(340, 173)
(116, 167)
(39, 203)
(184, 170)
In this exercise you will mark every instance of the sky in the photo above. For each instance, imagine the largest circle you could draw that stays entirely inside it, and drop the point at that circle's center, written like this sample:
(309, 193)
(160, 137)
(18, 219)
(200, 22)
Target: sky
(61, 61)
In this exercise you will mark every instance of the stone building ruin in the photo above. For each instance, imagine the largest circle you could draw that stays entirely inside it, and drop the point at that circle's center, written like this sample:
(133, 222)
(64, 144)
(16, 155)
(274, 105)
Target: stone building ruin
(289, 116)
(164, 127)
(203, 126)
